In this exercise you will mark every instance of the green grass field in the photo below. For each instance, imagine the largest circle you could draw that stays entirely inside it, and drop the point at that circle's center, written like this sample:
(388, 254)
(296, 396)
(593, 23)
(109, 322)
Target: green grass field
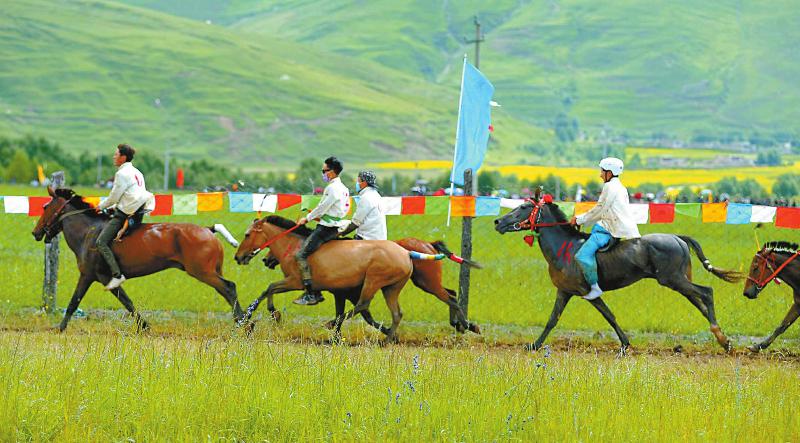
(194, 376)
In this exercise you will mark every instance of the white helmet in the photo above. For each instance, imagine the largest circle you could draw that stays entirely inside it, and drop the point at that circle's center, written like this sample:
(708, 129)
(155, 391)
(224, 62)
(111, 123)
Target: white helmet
(612, 164)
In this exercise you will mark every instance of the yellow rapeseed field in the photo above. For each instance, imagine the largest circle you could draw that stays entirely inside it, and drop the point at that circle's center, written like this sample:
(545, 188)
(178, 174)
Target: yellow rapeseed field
(669, 177)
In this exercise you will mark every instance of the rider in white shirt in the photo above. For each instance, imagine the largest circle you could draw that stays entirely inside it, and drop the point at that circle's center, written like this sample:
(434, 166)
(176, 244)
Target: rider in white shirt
(369, 220)
(612, 218)
(330, 211)
(128, 196)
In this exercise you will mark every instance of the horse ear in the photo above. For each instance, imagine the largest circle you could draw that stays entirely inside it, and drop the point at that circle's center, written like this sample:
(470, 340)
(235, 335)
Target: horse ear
(50, 191)
(538, 192)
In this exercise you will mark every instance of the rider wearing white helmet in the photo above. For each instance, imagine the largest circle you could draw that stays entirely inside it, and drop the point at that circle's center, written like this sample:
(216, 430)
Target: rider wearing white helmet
(612, 218)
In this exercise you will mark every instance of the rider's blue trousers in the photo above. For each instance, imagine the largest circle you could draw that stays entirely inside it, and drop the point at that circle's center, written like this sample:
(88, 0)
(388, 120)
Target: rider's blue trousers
(586, 255)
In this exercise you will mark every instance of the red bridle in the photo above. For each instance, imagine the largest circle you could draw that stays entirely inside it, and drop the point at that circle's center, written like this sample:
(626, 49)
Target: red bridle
(766, 266)
(534, 216)
(272, 240)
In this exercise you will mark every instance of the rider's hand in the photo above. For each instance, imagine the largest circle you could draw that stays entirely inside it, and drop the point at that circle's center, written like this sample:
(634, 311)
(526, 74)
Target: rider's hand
(302, 221)
(573, 221)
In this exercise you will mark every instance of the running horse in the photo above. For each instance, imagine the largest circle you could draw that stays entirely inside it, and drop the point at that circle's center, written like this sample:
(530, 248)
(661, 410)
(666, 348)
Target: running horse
(775, 261)
(351, 270)
(427, 276)
(663, 257)
(148, 249)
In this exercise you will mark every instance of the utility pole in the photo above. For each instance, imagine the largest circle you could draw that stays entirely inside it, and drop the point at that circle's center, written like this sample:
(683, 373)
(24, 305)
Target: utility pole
(166, 170)
(478, 39)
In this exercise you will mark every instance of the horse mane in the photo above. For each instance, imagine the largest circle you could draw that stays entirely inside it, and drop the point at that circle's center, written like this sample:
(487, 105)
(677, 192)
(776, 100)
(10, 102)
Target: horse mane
(562, 218)
(782, 246)
(78, 202)
(285, 223)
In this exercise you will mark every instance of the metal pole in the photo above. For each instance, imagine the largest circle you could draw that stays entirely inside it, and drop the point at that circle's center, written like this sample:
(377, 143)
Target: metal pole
(166, 170)
(466, 249)
(478, 40)
(50, 286)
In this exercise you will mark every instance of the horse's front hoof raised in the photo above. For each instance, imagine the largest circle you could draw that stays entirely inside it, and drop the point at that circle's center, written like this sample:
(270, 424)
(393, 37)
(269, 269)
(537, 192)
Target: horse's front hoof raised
(276, 315)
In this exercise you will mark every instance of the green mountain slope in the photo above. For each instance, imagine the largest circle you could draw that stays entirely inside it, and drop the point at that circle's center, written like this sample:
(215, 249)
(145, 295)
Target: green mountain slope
(677, 67)
(92, 74)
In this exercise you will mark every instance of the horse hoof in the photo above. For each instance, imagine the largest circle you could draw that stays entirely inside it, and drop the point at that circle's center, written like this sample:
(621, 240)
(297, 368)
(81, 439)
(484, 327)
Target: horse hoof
(755, 349)
(531, 347)
(623, 351)
(276, 315)
(330, 325)
(390, 340)
(475, 328)
(249, 327)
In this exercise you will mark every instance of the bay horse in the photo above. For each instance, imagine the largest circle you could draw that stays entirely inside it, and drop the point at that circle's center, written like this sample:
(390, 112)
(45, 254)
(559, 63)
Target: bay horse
(663, 257)
(776, 260)
(150, 248)
(427, 276)
(340, 267)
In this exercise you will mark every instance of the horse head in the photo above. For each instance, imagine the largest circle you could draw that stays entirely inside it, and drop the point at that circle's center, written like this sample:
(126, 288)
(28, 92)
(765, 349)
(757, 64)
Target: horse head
(254, 237)
(49, 224)
(766, 265)
(528, 215)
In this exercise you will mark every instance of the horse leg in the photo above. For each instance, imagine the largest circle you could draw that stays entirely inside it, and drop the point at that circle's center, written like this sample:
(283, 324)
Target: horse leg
(601, 306)
(225, 288)
(122, 296)
(391, 294)
(80, 290)
(371, 321)
(702, 297)
(273, 288)
(791, 316)
(561, 302)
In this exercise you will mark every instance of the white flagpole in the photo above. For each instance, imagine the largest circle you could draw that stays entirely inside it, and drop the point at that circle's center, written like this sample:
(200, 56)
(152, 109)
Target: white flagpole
(455, 150)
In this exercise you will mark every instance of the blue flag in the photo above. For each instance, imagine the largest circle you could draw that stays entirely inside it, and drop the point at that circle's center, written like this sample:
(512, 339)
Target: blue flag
(474, 118)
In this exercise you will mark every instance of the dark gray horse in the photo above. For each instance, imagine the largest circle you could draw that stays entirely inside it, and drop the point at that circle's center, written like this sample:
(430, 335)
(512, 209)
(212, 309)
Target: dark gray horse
(663, 257)
(776, 260)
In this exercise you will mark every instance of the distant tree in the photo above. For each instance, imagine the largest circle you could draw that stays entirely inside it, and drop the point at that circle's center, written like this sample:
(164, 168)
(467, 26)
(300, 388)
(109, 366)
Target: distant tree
(635, 162)
(769, 158)
(786, 186)
(20, 169)
(566, 128)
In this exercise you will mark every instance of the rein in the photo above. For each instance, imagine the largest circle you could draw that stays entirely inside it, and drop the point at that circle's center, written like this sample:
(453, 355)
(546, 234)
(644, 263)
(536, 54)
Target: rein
(760, 284)
(532, 221)
(48, 229)
(267, 243)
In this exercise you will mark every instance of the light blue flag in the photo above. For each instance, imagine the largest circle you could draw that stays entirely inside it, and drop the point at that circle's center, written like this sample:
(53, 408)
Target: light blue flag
(240, 201)
(485, 206)
(474, 118)
(739, 214)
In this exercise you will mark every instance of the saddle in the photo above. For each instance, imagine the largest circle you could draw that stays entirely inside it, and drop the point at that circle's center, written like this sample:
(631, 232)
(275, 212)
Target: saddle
(131, 224)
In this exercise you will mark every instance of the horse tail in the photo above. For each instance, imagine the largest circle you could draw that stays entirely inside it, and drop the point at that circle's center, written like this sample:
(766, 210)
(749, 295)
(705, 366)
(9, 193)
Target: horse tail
(221, 229)
(442, 249)
(728, 276)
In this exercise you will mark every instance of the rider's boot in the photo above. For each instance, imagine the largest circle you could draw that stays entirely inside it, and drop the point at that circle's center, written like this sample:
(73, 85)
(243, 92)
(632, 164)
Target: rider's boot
(309, 297)
(115, 282)
(594, 293)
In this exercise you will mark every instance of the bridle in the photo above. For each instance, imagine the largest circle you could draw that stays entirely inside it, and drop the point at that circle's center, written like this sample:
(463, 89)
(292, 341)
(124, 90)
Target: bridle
(532, 222)
(767, 265)
(270, 241)
(52, 229)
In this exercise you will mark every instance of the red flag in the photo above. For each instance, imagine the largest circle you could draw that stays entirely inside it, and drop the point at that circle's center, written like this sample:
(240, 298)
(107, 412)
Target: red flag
(179, 178)
(36, 205)
(662, 212)
(788, 218)
(163, 205)
(413, 206)
(287, 200)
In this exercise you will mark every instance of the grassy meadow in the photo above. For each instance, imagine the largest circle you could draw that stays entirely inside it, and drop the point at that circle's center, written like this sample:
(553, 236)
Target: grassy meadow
(109, 385)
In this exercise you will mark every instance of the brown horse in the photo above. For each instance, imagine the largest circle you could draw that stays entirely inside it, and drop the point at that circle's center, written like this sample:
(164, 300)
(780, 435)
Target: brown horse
(338, 266)
(776, 260)
(148, 249)
(427, 276)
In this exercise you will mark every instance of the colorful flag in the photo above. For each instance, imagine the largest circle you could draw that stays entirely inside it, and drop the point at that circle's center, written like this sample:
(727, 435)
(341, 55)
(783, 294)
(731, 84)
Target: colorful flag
(688, 209)
(163, 205)
(784, 218)
(288, 200)
(474, 118)
(179, 178)
(487, 206)
(662, 213)
(462, 206)
(583, 207)
(36, 205)
(640, 212)
(264, 203)
(413, 205)
(511, 203)
(16, 205)
(762, 214)
(240, 202)
(714, 212)
(184, 204)
(392, 205)
(436, 205)
(739, 214)
(40, 173)
(209, 201)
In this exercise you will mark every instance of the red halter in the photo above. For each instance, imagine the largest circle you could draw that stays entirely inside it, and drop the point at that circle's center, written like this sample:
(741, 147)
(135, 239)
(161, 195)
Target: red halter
(534, 216)
(767, 265)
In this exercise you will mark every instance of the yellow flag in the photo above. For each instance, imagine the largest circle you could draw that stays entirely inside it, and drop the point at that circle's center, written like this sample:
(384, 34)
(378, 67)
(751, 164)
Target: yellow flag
(40, 171)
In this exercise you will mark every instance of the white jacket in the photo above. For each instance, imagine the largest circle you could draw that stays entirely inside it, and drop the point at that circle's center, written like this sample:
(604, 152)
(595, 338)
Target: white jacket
(612, 211)
(370, 216)
(129, 192)
(334, 205)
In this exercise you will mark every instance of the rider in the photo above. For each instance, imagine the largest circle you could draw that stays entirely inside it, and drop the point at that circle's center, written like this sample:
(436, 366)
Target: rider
(369, 220)
(331, 211)
(613, 219)
(128, 196)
